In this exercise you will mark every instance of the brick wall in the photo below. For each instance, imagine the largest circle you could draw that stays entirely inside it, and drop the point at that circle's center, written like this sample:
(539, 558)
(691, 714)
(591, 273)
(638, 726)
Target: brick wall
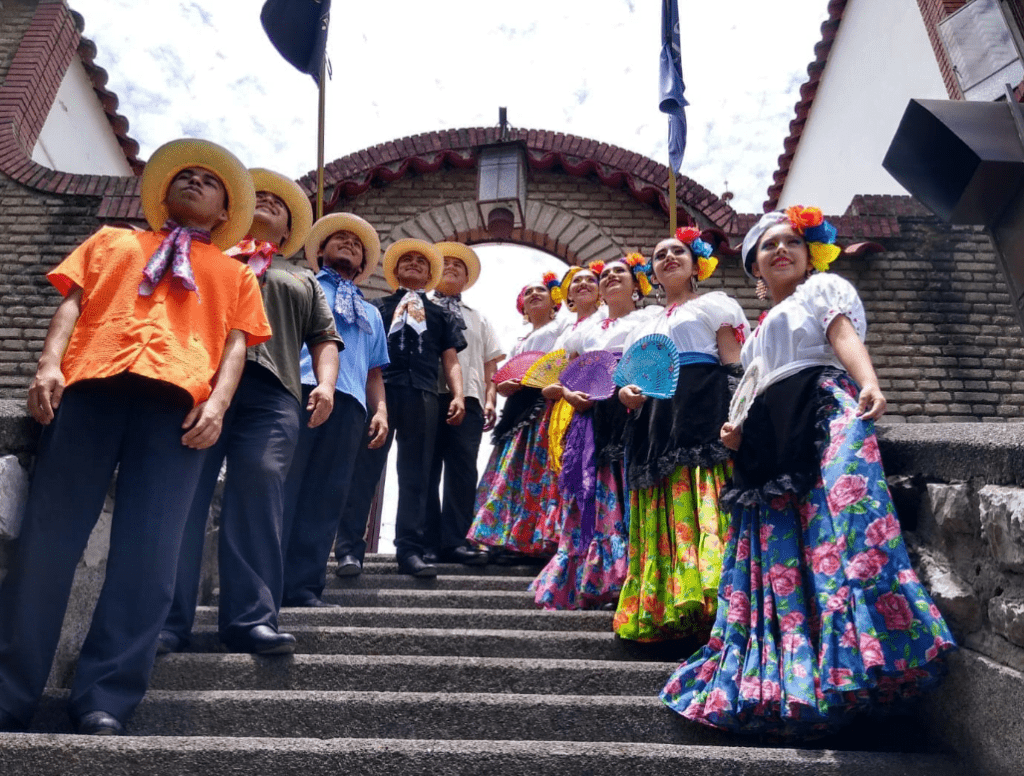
(941, 331)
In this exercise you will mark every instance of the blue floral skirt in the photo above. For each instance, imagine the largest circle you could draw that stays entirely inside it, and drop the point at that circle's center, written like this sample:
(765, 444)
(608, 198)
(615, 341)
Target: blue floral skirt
(820, 615)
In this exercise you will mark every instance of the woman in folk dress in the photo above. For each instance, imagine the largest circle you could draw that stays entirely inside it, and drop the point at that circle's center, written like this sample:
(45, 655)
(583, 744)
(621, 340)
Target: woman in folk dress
(820, 614)
(587, 570)
(517, 491)
(677, 465)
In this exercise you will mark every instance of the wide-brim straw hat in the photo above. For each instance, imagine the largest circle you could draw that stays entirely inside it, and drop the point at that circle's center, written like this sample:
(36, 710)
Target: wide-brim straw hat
(466, 255)
(344, 222)
(399, 248)
(173, 157)
(295, 199)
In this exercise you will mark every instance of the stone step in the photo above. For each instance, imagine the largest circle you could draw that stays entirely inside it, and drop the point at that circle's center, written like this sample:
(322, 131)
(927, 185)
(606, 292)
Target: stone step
(447, 716)
(441, 582)
(385, 566)
(36, 755)
(424, 596)
(454, 642)
(444, 715)
(407, 673)
(401, 617)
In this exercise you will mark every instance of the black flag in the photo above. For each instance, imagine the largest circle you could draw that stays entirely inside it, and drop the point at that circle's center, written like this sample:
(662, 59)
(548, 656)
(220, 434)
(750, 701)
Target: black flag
(298, 30)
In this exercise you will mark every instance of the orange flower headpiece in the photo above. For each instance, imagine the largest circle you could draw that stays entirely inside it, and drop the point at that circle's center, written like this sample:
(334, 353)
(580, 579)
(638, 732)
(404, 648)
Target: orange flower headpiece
(701, 250)
(818, 233)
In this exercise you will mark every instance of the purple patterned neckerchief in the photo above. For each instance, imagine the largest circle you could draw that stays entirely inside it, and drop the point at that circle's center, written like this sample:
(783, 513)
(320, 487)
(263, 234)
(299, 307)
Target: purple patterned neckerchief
(453, 304)
(579, 472)
(174, 251)
(346, 300)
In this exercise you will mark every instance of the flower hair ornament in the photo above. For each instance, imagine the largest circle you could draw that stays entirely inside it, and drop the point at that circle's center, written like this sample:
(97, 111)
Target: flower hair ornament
(701, 250)
(554, 287)
(550, 282)
(819, 234)
(809, 223)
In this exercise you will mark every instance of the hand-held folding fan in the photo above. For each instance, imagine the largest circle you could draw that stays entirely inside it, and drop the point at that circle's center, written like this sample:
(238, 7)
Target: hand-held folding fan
(745, 393)
(516, 367)
(546, 370)
(652, 364)
(591, 374)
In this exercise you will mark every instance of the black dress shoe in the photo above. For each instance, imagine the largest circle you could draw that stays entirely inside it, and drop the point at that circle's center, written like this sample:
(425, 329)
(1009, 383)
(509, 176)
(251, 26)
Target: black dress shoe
(262, 640)
(429, 556)
(309, 603)
(168, 642)
(464, 554)
(349, 566)
(98, 723)
(415, 566)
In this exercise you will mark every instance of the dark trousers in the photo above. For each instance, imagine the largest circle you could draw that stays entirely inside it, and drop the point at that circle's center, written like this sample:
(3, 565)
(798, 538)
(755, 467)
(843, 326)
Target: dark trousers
(412, 418)
(455, 450)
(260, 431)
(315, 494)
(100, 425)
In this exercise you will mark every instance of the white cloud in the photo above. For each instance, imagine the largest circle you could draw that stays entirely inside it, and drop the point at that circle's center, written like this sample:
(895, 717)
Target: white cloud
(399, 73)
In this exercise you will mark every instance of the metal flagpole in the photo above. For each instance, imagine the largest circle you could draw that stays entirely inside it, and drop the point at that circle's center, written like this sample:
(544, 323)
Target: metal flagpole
(671, 200)
(320, 140)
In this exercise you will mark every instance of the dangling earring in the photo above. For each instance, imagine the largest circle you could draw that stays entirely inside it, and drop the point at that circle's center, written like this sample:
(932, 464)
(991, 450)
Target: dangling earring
(762, 289)
(693, 283)
(526, 318)
(636, 295)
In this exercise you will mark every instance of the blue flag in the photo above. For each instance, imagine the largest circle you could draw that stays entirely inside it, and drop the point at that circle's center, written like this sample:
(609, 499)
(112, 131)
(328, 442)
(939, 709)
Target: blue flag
(672, 87)
(298, 30)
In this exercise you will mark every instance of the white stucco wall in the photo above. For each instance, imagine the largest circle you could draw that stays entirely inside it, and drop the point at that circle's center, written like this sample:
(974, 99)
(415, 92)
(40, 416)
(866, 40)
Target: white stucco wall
(880, 59)
(77, 137)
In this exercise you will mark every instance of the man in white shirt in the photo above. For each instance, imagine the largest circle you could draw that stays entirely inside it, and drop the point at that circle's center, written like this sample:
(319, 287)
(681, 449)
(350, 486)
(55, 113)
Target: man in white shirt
(456, 447)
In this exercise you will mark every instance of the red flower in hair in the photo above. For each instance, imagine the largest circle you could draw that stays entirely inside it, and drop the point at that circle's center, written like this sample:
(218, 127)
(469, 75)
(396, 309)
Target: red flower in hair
(596, 266)
(687, 234)
(804, 217)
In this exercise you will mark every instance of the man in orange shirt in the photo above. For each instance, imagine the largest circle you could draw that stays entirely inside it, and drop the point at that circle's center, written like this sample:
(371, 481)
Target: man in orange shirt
(260, 433)
(138, 368)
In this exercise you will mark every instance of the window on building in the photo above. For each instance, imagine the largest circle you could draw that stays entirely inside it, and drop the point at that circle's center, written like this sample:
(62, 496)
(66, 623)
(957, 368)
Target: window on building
(984, 43)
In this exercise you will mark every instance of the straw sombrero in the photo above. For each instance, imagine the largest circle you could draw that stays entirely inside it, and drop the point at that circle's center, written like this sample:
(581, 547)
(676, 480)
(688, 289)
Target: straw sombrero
(466, 255)
(398, 249)
(348, 222)
(173, 157)
(294, 198)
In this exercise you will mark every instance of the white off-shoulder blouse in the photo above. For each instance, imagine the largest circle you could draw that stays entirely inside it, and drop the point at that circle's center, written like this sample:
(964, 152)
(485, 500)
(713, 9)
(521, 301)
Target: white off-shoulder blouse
(792, 336)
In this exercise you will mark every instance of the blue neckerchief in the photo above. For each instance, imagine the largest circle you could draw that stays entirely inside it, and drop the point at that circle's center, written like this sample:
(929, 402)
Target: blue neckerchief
(346, 300)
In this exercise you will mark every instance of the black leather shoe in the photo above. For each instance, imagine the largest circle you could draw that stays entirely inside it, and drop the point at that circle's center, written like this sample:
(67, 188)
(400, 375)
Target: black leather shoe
(98, 723)
(309, 603)
(168, 642)
(464, 554)
(262, 640)
(349, 566)
(429, 556)
(415, 566)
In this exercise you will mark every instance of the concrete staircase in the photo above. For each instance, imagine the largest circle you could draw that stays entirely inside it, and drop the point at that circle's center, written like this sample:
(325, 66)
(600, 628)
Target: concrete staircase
(461, 675)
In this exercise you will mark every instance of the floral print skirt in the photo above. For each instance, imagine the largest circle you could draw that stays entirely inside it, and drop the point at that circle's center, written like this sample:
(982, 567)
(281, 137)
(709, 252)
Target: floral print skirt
(676, 533)
(587, 577)
(820, 614)
(517, 500)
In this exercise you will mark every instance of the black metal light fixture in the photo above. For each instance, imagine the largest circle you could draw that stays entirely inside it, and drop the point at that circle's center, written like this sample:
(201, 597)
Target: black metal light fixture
(501, 184)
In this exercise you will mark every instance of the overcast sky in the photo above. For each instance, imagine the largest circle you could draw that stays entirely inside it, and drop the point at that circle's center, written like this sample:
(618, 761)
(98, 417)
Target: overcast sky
(586, 67)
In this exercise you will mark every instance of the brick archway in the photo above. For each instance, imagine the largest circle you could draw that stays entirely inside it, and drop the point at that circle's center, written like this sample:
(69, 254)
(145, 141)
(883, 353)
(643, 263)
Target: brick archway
(570, 237)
